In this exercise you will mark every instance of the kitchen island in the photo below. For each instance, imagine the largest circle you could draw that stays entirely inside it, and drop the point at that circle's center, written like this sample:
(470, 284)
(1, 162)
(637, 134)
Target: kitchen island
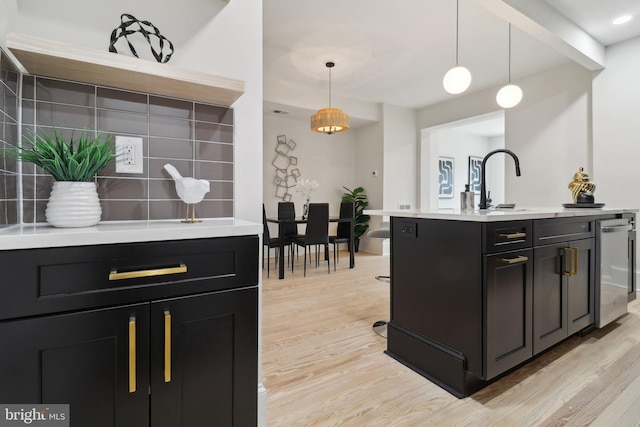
(475, 294)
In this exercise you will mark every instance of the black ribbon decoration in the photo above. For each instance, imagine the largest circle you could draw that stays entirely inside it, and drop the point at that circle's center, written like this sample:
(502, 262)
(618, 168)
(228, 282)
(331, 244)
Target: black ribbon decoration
(147, 29)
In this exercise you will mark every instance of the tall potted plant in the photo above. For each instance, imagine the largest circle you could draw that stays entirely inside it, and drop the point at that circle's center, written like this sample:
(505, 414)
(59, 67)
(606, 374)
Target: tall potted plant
(360, 222)
(73, 164)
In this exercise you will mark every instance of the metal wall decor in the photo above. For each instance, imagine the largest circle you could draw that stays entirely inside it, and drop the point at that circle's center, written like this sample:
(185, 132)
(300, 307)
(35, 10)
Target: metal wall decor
(445, 177)
(130, 25)
(287, 173)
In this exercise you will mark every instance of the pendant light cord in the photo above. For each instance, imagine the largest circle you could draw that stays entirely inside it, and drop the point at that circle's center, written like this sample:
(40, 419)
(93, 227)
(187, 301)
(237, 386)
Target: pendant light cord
(457, 25)
(330, 65)
(509, 52)
(329, 87)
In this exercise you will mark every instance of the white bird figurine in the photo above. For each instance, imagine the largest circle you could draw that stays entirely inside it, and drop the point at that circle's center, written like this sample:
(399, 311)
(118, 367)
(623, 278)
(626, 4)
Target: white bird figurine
(190, 190)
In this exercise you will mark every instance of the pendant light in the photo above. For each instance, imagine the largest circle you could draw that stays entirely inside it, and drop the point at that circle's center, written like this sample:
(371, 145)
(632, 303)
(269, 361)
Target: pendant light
(457, 79)
(510, 95)
(329, 120)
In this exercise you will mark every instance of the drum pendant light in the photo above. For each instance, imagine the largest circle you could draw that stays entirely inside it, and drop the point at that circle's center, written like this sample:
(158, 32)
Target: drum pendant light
(329, 120)
(510, 95)
(457, 79)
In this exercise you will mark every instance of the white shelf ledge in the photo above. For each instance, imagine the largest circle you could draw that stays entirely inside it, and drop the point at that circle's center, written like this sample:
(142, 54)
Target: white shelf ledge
(59, 60)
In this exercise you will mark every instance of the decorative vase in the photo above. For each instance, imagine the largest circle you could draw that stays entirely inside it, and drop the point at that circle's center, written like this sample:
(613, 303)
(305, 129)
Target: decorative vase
(73, 204)
(305, 210)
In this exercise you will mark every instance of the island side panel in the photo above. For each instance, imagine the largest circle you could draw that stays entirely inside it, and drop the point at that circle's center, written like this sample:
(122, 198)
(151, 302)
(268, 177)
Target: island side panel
(436, 285)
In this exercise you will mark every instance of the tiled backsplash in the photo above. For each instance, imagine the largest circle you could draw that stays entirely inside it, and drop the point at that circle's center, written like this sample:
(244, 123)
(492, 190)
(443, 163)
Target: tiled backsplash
(196, 138)
(9, 177)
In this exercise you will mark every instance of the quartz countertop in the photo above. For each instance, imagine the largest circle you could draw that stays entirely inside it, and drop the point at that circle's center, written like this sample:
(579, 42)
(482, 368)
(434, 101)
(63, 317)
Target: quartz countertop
(490, 215)
(27, 236)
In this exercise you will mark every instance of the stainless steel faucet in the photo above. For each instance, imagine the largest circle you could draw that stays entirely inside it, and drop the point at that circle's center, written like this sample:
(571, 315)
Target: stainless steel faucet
(483, 185)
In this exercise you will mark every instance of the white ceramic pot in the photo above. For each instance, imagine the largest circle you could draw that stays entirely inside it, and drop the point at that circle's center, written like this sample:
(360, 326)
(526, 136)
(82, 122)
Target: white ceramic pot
(73, 204)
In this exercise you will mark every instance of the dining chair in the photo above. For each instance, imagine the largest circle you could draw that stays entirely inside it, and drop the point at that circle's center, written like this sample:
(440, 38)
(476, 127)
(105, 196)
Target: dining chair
(287, 210)
(270, 242)
(343, 233)
(317, 233)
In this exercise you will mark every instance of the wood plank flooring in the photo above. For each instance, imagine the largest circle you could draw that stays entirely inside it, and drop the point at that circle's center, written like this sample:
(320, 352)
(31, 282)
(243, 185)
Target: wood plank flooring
(324, 366)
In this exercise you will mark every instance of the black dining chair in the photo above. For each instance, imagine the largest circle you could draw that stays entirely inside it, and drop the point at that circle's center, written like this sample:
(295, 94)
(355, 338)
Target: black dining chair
(317, 233)
(270, 242)
(343, 233)
(287, 210)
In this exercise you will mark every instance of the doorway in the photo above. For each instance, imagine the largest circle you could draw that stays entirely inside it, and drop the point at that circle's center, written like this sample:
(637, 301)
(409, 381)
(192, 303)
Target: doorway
(450, 157)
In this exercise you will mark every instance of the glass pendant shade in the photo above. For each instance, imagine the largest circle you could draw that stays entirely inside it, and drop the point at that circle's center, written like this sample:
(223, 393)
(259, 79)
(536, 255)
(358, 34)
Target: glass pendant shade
(509, 96)
(329, 120)
(457, 80)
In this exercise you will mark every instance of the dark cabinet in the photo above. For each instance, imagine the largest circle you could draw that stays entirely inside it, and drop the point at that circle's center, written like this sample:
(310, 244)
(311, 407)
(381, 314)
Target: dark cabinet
(471, 300)
(563, 291)
(204, 360)
(509, 308)
(167, 359)
(81, 359)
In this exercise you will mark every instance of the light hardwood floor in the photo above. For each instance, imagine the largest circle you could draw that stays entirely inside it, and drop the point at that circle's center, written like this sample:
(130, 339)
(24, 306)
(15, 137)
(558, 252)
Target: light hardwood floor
(324, 366)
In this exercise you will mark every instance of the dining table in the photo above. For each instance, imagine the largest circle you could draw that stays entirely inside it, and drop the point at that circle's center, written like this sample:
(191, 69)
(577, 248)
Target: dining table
(281, 226)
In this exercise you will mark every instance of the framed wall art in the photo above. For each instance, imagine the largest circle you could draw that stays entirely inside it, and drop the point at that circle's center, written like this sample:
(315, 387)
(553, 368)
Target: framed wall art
(445, 177)
(475, 174)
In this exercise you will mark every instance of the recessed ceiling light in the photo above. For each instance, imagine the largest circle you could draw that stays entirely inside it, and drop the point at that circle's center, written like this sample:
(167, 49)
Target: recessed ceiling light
(622, 19)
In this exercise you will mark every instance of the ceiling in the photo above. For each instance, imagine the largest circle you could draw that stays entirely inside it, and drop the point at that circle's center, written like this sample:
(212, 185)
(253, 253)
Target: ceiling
(397, 53)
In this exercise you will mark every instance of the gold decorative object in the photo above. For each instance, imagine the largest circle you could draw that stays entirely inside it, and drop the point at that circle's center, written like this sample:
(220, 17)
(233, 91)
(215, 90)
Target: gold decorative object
(581, 184)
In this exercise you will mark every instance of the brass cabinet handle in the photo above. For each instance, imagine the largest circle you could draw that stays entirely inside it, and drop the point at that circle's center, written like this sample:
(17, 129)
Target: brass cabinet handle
(574, 251)
(167, 346)
(517, 235)
(515, 260)
(572, 254)
(115, 275)
(132, 354)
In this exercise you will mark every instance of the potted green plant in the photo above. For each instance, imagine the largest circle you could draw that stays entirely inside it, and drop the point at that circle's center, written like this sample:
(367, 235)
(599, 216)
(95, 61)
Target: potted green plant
(73, 164)
(360, 202)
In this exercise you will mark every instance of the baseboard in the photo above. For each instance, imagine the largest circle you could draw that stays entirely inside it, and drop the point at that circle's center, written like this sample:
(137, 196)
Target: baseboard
(262, 406)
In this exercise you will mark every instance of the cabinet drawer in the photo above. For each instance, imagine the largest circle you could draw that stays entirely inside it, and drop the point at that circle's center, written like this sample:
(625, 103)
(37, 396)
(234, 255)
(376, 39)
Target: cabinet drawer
(556, 230)
(506, 236)
(39, 281)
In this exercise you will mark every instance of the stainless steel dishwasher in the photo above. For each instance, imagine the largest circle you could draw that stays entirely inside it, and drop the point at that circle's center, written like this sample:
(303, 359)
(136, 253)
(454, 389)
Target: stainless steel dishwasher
(613, 284)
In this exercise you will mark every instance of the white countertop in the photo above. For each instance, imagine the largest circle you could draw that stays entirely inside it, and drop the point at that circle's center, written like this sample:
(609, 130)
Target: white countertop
(497, 214)
(27, 236)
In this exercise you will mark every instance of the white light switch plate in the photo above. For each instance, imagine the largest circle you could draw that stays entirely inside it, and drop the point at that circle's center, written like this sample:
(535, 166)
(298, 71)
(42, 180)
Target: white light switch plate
(129, 155)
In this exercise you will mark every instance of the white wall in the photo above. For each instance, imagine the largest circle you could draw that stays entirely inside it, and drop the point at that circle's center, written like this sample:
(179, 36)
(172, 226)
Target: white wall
(616, 127)
(551, 134)
(8, 14)
(369, 157)
(400, 156)
(328, 159)
(549, 131)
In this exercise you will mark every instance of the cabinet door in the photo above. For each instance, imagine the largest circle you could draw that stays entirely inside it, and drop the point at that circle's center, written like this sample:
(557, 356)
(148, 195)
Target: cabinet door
(563, 291)
(95, 361)
(508, 287)
(549, 296)
(580, 287)
(204, 367)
